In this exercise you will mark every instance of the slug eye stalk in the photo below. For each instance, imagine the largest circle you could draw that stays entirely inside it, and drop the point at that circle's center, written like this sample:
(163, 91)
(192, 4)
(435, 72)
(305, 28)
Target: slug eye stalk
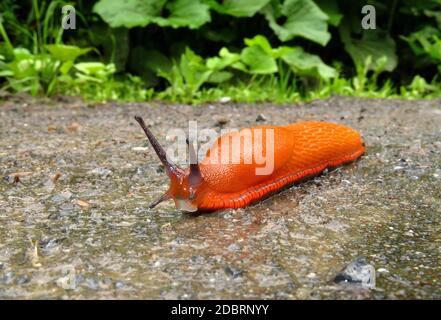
(162, 198)
(170, 167)
(195, 176)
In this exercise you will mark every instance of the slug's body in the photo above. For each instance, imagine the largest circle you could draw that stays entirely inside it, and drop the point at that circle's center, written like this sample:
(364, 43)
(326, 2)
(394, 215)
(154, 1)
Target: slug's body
(300, 150)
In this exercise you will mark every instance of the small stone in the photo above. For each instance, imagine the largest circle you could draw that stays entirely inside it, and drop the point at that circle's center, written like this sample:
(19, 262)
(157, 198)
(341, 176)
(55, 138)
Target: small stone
(65, 208)
(227, 216)
(225, 99)
(336, 225)
(140, 149)
(382, 270)
(73, 127)
(7, 278)
(120, 285)
(52, 128)
(16, 176)
(48, 243)
(82, 203)
(63, 196)
(221, 120)
(92, 283)
(397, 168)
(22, 280)
(233, 247)
(49, 185)
(103, 172)
(67, 282)
(261, 118)
(357, 272)
(234, 272)
(56, 177)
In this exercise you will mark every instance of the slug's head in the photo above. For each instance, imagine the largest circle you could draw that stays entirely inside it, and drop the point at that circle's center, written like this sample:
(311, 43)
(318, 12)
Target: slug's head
(185, 185)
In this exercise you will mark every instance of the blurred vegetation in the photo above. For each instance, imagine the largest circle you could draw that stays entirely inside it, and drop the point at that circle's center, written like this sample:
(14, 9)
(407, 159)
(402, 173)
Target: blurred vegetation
(201, 50)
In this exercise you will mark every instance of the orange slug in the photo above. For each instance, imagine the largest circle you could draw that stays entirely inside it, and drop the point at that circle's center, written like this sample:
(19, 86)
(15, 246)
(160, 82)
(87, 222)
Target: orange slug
(297, 151)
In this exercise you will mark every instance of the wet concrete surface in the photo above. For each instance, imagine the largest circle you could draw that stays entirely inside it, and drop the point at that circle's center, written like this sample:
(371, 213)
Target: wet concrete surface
(76, 181)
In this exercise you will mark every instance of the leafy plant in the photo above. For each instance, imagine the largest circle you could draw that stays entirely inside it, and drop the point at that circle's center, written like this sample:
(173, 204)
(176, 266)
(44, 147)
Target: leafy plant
(303, 19)
(95, 82)
(249, 50)
(39, 73)
(186, 76)
(426, 42)
(191, 72)
(375, 44)
(238, 8)
(140, 13)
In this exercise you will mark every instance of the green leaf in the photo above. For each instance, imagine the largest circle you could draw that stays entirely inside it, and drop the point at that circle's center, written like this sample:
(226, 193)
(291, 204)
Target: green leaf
(239, 65)
(65, 53)
(6, 73)
(219, 76)
(225, 59)
(419, 84)
(330, 7)
(238, 8)
(95, 69)
(258, 61)
(305, 63)
(129, 13)
(22, 53)
(263, 42)
(188, 75)
(185, 13)
(152, 60)
(260, 41)
(140, 13)
(373, 43)
(193, 69)
(426, 41)
(66, 66)
(303, 19)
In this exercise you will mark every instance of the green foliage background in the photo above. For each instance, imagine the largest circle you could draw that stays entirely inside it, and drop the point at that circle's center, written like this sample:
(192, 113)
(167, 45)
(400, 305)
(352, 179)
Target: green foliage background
(197, 50)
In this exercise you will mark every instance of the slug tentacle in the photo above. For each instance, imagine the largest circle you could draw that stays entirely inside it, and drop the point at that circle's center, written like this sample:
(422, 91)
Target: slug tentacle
(170, 167)
(162, 198)
(195, 177)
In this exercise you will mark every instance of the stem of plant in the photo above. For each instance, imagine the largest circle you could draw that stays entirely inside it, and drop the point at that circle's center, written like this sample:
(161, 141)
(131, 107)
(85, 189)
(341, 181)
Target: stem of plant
(5, 36)
(392, 15)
